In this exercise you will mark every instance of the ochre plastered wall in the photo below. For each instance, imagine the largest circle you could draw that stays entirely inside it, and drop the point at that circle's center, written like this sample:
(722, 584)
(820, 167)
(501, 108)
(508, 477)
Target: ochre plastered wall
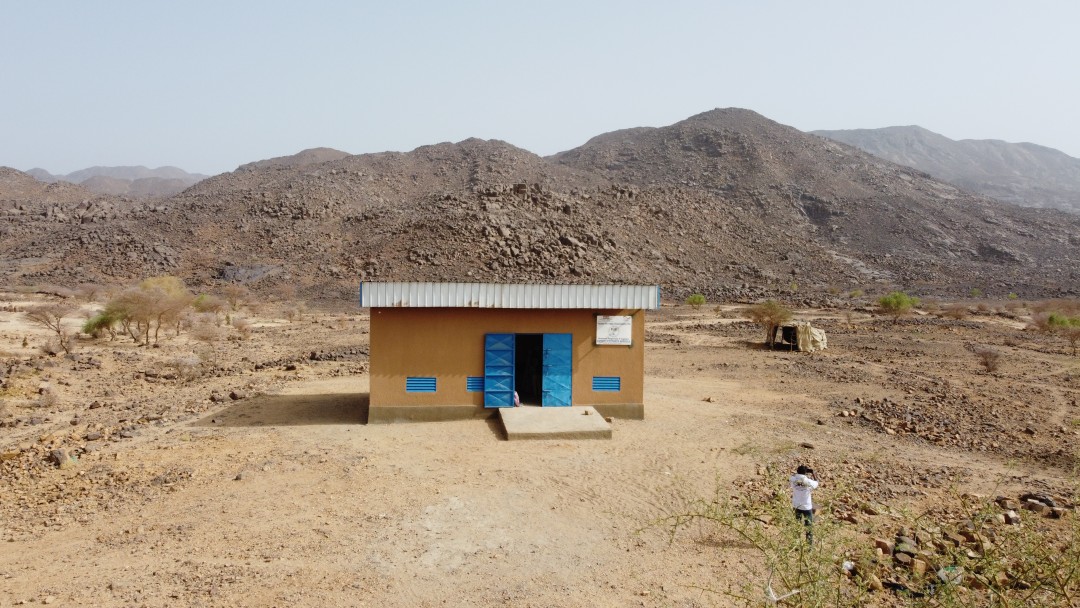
(448, 343)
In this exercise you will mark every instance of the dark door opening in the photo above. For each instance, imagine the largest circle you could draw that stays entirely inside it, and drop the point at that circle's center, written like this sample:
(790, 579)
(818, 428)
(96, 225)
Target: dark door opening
(529, 368)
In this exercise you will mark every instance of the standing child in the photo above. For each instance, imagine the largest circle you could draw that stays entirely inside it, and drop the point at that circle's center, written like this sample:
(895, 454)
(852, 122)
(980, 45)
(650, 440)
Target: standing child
(803, 483)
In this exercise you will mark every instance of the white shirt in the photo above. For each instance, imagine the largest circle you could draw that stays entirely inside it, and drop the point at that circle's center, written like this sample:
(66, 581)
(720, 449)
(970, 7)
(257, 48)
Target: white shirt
(802, 487)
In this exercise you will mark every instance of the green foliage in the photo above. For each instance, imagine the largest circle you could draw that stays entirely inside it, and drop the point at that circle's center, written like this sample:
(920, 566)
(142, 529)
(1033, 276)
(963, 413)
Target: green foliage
(1069, 327)
(208, 303)
(897, 304)
(855, 293)
(975, 292)
(769, 315)
(104, 321)
(1060, 321)
(1012, 296)
(696, 300)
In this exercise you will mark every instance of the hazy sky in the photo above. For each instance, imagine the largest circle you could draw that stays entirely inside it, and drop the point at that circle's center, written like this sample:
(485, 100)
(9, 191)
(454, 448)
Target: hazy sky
(207, 86)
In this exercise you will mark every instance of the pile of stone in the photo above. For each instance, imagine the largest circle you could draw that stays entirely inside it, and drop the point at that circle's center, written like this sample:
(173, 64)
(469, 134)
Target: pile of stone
(914, 558)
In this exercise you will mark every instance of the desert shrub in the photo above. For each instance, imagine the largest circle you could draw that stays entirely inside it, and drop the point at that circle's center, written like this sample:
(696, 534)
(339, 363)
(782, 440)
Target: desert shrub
(855, 293)
(955, 311)
(235, 295)
(242, 327)
(89, 292)
(769, 315)
(1014, 306)
(897, 304)
(1012, 296)
(1065, 306)
(102, 322)
(1040, 322)
(293, 313)
(46, 400)
(975, 292)
(696, 300)
(206, 303)
(186, 367)
(982, 307)
(931, 305)
(286, 292)
(206, 328)
(51, 347)
(989, 358)
(795, 573)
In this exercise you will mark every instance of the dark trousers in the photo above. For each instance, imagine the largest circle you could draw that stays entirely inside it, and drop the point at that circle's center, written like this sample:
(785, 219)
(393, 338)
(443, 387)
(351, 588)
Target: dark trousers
(807, 518)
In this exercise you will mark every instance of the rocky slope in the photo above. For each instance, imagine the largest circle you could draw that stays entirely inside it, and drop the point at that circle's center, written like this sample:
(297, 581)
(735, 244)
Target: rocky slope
(727, 203)
(1023, 174)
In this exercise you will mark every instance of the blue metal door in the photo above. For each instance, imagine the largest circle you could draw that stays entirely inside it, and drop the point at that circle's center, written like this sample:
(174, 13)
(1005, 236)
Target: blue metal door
(499, 370)
(558, 370)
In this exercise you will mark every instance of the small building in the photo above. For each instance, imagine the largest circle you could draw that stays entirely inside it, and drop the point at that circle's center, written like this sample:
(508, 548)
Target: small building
(443, 351)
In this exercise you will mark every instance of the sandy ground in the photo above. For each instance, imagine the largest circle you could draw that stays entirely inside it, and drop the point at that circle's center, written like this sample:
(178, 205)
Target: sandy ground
(284, 497)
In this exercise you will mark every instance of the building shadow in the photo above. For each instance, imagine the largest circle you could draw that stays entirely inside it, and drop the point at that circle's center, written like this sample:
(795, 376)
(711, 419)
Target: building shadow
(495, 425)
(292, 410)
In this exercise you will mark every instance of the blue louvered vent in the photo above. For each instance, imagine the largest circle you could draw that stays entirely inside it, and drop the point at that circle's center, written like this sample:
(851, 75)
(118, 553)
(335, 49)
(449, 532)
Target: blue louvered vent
(474, 384)
(607, 384)
(420, 384)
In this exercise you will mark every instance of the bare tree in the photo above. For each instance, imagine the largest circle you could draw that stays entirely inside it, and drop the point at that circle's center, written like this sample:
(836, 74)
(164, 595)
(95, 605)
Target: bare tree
(1072, 334)
(51, 317)
(235, 295)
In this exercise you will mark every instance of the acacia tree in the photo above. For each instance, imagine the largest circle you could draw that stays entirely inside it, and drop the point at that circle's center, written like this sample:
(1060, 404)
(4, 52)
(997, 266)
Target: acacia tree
(147, 306)
(50, 317)
(769, 314)
(235, 295)
(1068, 326)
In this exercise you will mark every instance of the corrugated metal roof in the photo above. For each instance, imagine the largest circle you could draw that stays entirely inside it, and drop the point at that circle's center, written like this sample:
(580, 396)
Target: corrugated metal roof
(508, 295)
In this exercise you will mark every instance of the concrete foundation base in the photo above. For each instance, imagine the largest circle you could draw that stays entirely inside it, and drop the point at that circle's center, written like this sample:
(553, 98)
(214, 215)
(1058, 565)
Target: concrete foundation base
(387, 414)
(581, 422)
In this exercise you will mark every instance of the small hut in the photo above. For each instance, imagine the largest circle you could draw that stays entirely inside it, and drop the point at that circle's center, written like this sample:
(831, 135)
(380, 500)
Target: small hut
(442, 351)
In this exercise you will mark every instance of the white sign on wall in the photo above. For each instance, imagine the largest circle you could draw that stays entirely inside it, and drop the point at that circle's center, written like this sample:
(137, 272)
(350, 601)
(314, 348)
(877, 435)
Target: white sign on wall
(614, 329)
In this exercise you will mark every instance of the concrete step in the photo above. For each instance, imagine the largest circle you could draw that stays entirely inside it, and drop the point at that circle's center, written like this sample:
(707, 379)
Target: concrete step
(531, 422)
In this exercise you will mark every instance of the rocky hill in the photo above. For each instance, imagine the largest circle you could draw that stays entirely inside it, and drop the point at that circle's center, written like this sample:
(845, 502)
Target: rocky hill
(133, 182)
(1023, 174)
(727, 203)
(311, 156)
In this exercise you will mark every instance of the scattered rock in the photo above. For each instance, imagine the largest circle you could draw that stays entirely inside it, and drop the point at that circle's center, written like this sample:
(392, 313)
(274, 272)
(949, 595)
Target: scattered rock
(63, 459)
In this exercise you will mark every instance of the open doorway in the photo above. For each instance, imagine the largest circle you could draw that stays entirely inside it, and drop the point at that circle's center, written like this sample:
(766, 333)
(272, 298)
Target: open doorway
(529, 368)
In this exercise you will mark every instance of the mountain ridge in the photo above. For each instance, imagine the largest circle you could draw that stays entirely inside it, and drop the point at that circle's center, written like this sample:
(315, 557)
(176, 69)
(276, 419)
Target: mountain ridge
(1025, 174)
(136, 181)
(727, 203)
